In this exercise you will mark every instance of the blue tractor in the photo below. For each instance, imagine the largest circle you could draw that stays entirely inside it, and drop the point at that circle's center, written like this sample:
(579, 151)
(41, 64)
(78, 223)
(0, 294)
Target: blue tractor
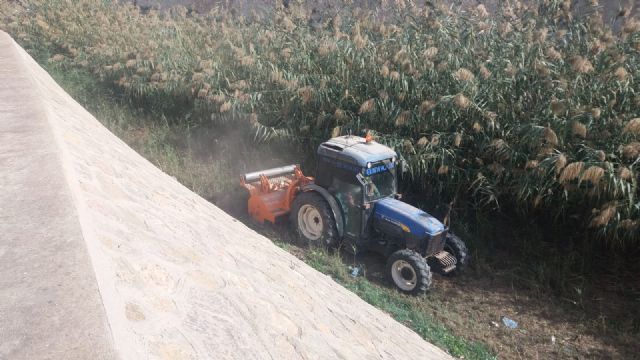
(353, 201)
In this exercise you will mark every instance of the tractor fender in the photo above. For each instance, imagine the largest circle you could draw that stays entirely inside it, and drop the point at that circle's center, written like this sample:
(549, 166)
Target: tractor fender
(335, 208)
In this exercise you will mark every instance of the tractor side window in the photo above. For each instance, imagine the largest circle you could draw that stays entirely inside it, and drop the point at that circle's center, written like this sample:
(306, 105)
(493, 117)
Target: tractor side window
(349, 196)
(346, 185)
(338, 177)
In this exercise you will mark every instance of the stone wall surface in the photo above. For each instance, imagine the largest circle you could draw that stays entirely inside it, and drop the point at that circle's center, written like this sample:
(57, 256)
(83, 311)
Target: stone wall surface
(139, 266)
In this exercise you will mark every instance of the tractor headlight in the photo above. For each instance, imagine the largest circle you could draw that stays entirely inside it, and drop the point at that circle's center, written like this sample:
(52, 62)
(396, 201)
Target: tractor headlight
(393, 159)
(368, 165)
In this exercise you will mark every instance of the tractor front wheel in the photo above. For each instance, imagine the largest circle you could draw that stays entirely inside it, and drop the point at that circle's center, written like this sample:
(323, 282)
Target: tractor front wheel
(456, 247)
(409, 272)
(312, 218)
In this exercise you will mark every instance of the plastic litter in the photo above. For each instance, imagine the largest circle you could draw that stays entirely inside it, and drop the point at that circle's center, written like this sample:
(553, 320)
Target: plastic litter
(511, 324)
(355, 271)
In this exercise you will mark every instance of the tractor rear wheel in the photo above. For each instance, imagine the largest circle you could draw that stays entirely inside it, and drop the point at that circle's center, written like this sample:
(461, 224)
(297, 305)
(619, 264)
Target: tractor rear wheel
(409, 272)
(312, 218)
(456, 247)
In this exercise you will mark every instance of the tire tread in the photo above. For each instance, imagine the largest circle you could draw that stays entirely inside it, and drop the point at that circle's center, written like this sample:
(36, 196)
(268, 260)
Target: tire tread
(460, 252)
(329, 237)
(420, 265)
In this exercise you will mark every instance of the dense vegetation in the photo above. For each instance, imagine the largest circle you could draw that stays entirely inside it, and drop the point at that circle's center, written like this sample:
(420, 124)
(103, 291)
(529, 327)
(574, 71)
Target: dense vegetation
(531, 108)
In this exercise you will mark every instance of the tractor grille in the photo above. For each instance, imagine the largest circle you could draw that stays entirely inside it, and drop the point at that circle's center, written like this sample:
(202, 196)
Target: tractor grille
(436, 244)
(444, 262)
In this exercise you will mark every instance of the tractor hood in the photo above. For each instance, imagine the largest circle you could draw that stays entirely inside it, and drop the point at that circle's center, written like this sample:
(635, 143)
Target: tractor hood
(416, 221)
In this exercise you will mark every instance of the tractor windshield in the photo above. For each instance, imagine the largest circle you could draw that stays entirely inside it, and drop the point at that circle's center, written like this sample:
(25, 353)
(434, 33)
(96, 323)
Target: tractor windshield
(380, 185)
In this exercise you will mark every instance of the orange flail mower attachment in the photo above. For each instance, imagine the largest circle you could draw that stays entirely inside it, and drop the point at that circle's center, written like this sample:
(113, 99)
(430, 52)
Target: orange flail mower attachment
(272, 191)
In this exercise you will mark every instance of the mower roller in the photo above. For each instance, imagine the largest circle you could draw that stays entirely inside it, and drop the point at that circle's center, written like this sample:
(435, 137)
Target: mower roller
(272, 191)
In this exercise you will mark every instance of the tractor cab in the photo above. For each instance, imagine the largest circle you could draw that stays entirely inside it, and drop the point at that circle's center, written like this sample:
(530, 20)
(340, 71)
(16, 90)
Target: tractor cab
(359, 179)
(357, 172)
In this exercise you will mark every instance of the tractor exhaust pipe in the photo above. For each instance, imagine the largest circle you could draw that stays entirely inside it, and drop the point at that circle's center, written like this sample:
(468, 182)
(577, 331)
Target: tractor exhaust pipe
(255, 176)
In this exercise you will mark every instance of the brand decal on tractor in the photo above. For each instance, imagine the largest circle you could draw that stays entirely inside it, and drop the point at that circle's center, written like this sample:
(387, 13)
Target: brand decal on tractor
(378, 169)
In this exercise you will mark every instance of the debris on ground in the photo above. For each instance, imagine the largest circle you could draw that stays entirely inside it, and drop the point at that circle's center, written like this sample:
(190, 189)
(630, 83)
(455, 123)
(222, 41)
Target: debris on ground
(511, 324)
(355, 271)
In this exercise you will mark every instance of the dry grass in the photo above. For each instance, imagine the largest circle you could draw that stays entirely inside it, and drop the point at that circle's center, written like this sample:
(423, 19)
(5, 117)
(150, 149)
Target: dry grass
(579, 129)
(571, 172)
(593, 174)
(463, 74)
(461, 101)
(367, 106)
(632, 127)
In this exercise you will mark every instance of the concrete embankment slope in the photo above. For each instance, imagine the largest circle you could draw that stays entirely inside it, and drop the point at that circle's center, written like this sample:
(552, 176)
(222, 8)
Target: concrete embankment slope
(104, 256)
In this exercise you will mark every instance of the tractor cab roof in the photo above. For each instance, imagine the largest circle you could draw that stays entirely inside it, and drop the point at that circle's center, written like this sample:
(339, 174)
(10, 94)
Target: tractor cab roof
(355, 150)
